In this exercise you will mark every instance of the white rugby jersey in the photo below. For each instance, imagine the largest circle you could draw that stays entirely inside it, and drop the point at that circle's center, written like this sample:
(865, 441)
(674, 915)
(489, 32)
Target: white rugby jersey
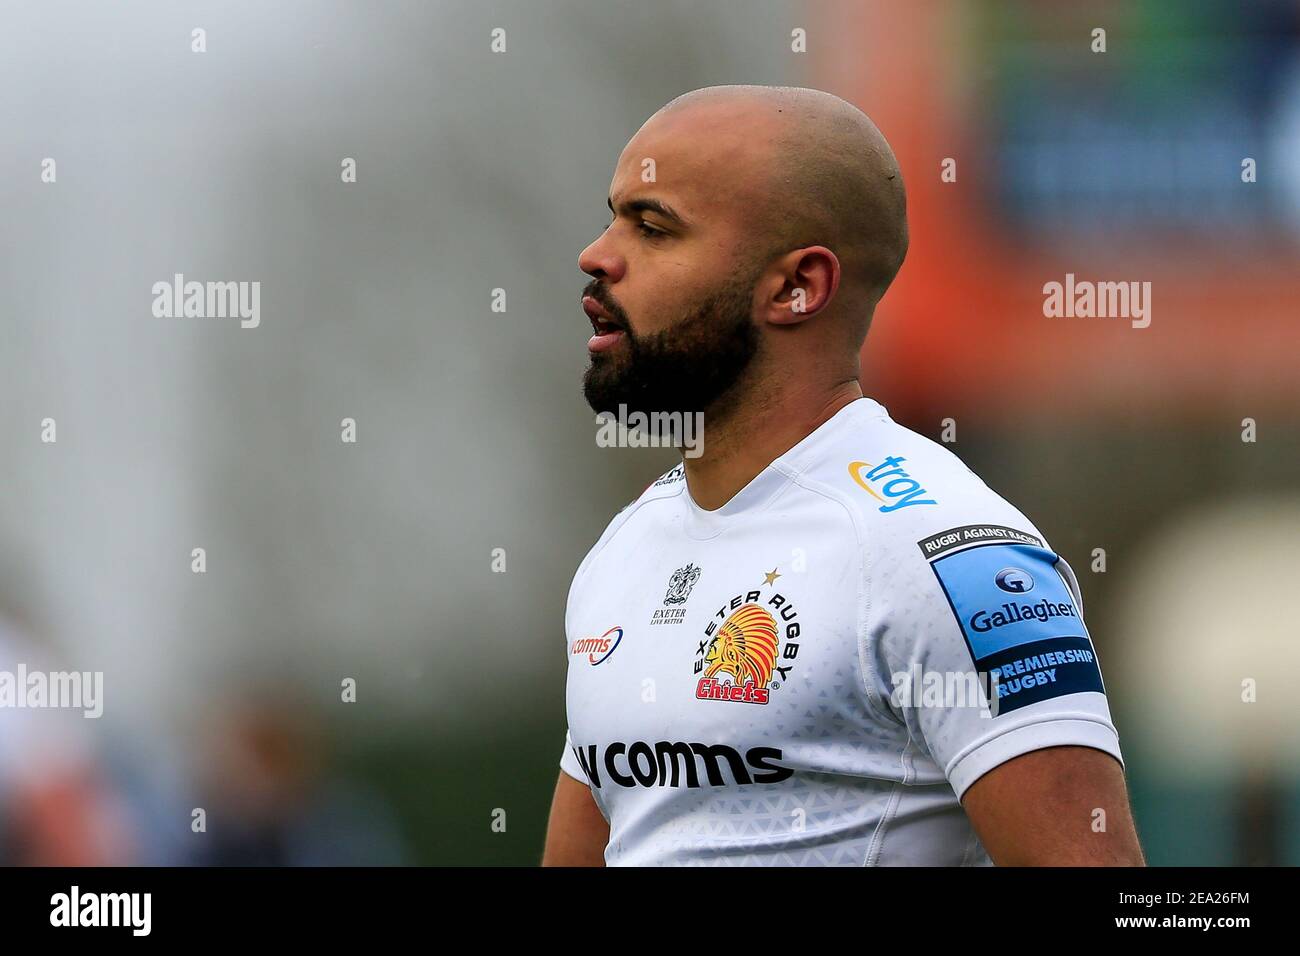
(815, 672)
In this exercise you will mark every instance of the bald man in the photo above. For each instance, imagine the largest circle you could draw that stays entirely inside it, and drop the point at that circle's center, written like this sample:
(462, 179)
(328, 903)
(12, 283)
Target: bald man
(821, 639)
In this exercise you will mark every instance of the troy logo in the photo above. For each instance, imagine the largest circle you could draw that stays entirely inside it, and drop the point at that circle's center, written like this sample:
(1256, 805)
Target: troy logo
(680, 584)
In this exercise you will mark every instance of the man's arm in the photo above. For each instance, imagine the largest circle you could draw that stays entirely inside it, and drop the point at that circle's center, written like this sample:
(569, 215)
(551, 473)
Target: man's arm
(577, 832)
(1041, 809)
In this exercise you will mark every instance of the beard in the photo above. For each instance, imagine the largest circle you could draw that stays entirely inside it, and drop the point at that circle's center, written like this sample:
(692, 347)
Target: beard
(686, 368)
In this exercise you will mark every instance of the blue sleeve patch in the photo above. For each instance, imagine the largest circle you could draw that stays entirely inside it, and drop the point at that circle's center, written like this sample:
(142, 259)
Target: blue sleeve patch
(1020, 621)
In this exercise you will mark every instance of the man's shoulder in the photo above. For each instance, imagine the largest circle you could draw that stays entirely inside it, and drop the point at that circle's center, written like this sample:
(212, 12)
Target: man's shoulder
(900, 487)
(668, 485)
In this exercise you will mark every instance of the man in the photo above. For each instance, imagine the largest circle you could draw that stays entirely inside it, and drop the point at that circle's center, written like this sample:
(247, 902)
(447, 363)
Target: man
(823, 640)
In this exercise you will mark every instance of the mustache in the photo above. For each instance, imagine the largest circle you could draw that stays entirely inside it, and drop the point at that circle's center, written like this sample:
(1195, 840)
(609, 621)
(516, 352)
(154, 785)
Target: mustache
(601, 295)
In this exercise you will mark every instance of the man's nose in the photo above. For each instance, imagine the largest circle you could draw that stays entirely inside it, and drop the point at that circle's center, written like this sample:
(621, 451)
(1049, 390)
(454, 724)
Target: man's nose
(600, 261)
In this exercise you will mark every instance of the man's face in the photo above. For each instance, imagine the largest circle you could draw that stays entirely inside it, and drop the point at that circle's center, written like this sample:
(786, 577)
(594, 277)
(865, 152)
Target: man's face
(671, 296)
(684, 367)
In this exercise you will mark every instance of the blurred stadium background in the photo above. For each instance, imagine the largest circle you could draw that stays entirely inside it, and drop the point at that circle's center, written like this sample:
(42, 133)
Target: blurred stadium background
(479, 171)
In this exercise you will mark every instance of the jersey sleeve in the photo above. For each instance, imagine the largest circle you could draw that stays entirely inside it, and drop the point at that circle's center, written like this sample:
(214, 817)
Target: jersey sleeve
(568, 760)
(979, 646)
(569, 763)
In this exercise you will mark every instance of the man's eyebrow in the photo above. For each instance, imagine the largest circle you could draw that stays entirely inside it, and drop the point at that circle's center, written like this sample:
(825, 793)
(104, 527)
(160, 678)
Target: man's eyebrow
(651, 205)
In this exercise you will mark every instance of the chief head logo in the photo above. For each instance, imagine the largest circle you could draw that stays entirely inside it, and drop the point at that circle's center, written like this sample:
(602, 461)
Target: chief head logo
(745, 647)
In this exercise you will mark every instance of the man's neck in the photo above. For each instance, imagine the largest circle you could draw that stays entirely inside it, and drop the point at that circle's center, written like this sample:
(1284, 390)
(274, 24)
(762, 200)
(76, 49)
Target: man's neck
(740, 444)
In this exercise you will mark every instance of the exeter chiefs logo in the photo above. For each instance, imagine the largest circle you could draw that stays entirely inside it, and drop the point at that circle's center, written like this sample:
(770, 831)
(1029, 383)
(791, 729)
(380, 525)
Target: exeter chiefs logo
(746, 647)
(680, 584)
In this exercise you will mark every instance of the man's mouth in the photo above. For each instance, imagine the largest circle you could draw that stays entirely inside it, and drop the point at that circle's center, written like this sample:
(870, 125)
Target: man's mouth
(608, 331)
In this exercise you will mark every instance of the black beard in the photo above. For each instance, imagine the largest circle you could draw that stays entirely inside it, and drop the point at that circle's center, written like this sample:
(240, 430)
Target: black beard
(684, 368)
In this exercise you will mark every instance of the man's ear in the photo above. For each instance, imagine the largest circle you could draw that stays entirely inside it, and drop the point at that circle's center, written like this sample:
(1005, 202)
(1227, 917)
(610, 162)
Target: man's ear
(810, 277)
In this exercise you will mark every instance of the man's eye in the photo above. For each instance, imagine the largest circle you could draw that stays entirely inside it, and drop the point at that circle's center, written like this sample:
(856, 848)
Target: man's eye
(647, 230)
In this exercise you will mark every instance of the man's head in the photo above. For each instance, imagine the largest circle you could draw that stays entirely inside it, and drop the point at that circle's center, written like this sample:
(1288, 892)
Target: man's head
(752, 227)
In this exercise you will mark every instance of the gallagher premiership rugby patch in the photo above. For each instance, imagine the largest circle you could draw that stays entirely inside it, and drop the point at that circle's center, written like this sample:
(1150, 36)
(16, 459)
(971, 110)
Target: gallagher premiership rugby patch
(1016, 612)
